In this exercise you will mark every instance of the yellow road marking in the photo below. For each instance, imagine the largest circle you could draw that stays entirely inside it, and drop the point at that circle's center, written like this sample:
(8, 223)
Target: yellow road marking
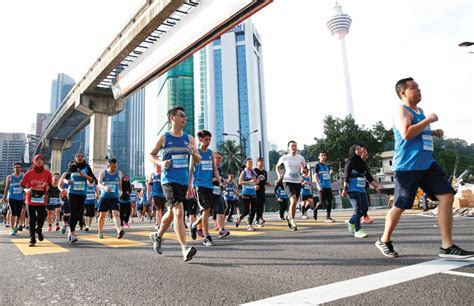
(111, 241)
(41, 247)
(171, 235)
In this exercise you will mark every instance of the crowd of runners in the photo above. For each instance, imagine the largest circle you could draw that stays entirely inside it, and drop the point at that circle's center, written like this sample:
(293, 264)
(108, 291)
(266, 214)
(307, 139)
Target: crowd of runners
(188, 188)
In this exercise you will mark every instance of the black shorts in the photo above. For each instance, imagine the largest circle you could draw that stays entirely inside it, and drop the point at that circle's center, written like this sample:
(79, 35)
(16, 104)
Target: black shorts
(205, 198)
(52, 207)
(306, 197)
(16, 206)
(90, 210)
(174, 193)
(190, 206)
(106, 204)
(65, 207)
(433, 182)
(325, 196)
(292, 189)
(159, 202)
(218, 204)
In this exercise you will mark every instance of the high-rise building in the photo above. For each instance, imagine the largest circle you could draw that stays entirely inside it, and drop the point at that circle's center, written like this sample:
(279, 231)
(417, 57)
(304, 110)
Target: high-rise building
(127, 136)
(12, 146)
(229, 90)
(176, 88)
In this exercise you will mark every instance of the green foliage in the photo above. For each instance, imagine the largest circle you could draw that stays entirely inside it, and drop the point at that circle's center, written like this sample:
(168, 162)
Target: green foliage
(446, 152)
(273, 157)
(231, 157)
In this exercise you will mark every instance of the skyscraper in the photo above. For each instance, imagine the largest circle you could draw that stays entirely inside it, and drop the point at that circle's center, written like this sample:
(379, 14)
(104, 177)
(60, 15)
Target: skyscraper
(127, 132)
(176, 88)
(229, 90)
(12, 146)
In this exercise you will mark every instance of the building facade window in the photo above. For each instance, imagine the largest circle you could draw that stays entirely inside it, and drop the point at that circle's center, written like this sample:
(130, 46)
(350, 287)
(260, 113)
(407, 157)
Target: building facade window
(244, 120)
(219, 97)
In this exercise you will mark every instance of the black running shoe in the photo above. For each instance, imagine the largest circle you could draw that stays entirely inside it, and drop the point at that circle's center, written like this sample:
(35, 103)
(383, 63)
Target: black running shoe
(455, 252)
(120, 234)
(32, 243)
(193, 231)
(188, 253)
(386, 248)
(40, 236)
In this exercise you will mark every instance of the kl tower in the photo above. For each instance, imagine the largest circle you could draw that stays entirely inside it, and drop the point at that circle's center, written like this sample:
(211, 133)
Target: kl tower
(339, 25)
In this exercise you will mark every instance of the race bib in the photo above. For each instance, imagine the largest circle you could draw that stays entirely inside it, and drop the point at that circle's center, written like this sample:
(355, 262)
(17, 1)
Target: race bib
(112, 187)
(326, 176)
(361, 182)
(17, 190)
(307, 187)
(250, 186)
(293, 175)
(216, 190)
(54, 201)
(179, 161)
(79, 186)
(427, 142)
(231, 194)
(91, 196)
(206, 165)
(38, 200)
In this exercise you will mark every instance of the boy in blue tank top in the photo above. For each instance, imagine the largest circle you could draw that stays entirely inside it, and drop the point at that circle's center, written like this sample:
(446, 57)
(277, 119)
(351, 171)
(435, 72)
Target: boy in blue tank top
(178, 147)
(415, 167)
(13, 195)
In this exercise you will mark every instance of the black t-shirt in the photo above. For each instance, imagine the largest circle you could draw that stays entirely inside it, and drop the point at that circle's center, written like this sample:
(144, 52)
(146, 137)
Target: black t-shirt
(262, 176)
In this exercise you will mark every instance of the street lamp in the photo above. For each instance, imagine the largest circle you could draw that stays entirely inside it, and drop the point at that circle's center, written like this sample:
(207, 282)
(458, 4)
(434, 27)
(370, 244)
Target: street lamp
(467, 44)
(242, 141)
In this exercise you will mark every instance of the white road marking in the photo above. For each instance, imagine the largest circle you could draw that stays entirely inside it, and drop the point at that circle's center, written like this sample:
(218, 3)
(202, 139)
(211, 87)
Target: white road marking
(351, 287)
(459, 273)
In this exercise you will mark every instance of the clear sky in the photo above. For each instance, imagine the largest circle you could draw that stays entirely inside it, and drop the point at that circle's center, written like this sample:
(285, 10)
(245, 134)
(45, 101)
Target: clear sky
(388, 40)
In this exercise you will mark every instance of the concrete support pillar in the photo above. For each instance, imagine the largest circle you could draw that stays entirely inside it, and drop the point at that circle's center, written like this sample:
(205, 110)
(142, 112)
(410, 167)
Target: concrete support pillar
(56, 161)
(98, 142)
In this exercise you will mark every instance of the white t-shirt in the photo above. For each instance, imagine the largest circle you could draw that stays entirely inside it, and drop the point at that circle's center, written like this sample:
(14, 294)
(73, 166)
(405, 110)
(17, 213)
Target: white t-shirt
(292, 167)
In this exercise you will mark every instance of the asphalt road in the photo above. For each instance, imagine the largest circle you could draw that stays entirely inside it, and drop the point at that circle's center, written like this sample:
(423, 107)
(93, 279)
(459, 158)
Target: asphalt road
(240, 269)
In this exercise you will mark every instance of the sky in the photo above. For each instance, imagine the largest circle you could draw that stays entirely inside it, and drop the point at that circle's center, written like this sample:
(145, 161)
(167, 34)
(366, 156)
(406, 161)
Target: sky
(388, 40)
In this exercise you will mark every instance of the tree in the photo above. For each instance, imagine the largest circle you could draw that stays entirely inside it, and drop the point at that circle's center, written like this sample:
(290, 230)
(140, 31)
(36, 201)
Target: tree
(454, 155)
(231, 157)
(273, 157)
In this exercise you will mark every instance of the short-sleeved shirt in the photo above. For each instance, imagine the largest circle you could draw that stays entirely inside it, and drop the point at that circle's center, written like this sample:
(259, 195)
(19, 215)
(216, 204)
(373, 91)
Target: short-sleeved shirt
(38, 182)
(292, 165)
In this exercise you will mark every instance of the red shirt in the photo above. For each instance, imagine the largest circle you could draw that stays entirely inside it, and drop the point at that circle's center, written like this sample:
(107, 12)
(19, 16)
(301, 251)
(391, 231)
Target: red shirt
(39, 183)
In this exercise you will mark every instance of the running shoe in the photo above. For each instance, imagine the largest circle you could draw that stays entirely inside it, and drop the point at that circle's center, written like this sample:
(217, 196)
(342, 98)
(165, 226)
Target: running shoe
(126, 225)
(282, 218)
(32, 243)
(120, 234)
(57, 228)
(200, 233)
(73, 238)
(13, 232)
(157, 226)
(188, 253)
(157, 241)
(386, 248)
(63, 229)
(193, 230)
(20, 228)
(304, 216)
(455, 252)
(50, 228)
(26, 227)
(288, 221)
(40, 236)
(224, 233)
(7, 225)
(216, 227)
(100, 236)
(360, 234)
(350, 227)
(87, 229)
(315, 215)
(366, 220)
(239, 219)
(330, 220)
(293, 225)
(208, 241)
(250, 228)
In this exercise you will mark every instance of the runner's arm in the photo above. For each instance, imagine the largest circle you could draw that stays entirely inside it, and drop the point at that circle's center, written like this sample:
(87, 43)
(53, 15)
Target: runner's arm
(403, 124)
(152, 156)
(7, 186)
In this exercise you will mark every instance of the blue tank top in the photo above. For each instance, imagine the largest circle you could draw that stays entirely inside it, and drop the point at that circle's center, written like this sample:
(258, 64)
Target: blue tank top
(112, 181)
(324, 176)
(281, 194)
(306, 190)
(249, 189)
(230, 192)
(79, 185)
(203, 172)
(357, 182)
(156, 189)
(15, 191)
(415, 153)
(90, 194)
(176, 150)
(133, 197)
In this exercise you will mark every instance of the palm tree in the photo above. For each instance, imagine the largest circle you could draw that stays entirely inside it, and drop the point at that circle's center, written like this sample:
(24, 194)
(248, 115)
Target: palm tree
(231, 157)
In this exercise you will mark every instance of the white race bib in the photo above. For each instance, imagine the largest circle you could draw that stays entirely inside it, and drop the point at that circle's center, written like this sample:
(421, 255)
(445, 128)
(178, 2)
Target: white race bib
(17, 190)
(39, 200)
(216, 190)
(231, 194)
(54, 201)
(179, 161)
(91, 196)
(206, 165)
(307, 187)
(361, 182)
(112, 187)
(427, 142)
(293, 175)
(79, 186)
(326, 176)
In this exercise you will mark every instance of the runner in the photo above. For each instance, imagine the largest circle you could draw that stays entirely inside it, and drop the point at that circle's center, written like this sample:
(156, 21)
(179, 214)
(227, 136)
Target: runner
(140, 206)
(282, 199)
(13, 195)
(248, 179)
(110, 184)
(218, 206)
(125, 203)
(323, 182)
(263, 183)
(54, 203)
(415, 167)
(77, 174)
(231, 197)
(365, 216)
(306, 193)
(133, 200)
(65, 204)
(155, 194)
(36, 183)
(178, 147)
(356, 174)
(201, 177)
(293, 163)
(90, 204)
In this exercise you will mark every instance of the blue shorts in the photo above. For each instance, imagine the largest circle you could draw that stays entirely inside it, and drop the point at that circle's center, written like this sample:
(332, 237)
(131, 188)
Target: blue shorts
(65, 207)
(433, 182)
